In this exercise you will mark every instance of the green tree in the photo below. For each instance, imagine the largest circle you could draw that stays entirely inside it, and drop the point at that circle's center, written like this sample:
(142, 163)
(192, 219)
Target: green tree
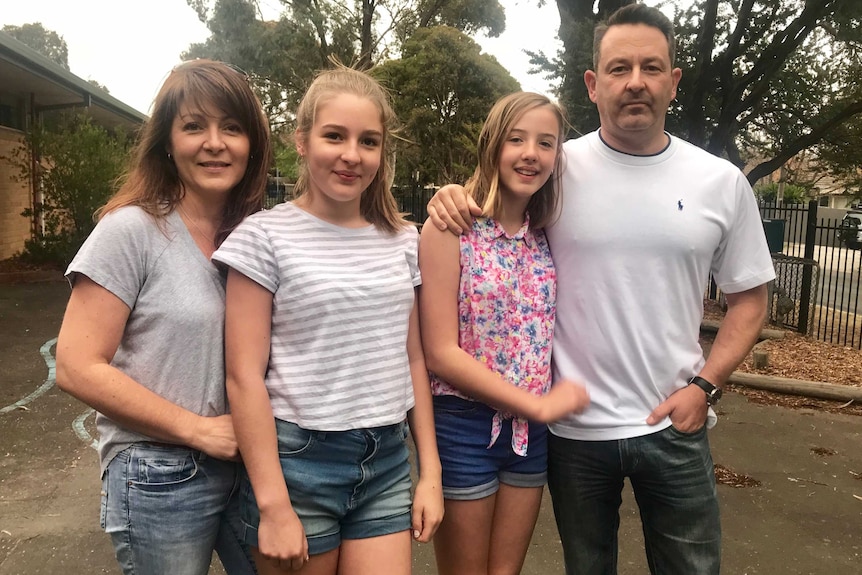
(279, 55)
(368, 30)
(99, 85)
(77, 164)
(283, 55)
(762, 79)
(770, 78)
(839, 156)
(46, 42)
(442, 118)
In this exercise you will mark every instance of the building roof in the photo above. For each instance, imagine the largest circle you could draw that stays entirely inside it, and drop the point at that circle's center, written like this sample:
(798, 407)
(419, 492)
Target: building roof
(27, 73)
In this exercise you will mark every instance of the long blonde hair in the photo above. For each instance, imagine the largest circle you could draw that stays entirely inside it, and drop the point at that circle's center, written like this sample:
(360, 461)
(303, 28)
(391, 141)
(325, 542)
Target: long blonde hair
(152, 181)
(484, 184)
(377, 204)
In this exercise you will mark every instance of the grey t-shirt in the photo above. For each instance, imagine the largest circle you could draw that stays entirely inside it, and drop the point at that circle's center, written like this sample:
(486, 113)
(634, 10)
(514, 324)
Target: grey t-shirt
(173, 343)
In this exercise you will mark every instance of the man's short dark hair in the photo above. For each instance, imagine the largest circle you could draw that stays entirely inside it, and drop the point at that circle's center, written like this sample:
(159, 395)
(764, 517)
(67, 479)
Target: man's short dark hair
(636, 13)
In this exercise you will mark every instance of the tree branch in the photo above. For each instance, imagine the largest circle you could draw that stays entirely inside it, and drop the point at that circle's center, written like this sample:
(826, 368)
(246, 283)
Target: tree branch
(770, 62)
(803, 142)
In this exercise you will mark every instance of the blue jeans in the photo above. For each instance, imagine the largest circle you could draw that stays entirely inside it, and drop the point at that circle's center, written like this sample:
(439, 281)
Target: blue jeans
(167, 508)
(674, 484)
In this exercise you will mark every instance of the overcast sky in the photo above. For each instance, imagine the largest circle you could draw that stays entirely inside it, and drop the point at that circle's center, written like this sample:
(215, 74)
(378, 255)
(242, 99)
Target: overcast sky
(130, 45)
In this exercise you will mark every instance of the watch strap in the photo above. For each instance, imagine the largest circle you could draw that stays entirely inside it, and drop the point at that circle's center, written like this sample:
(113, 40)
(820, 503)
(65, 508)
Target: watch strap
(713, 392)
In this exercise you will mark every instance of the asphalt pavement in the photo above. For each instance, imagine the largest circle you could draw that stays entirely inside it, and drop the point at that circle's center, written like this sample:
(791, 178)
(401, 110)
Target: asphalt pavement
(801, 512)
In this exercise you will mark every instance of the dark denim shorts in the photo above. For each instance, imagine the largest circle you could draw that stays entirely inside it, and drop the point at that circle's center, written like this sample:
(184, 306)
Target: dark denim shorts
(342, 484)
(471, 469)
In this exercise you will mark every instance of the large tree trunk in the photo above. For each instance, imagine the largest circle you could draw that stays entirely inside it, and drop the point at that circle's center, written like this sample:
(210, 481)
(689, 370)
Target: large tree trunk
(572, 11)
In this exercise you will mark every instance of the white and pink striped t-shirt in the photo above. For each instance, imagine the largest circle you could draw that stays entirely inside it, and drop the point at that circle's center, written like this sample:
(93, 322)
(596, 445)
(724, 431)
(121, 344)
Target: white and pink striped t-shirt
(342, 298)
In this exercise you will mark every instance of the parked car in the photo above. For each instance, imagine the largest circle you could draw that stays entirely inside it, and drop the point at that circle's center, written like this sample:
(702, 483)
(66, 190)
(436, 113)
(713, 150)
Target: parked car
(851, 230)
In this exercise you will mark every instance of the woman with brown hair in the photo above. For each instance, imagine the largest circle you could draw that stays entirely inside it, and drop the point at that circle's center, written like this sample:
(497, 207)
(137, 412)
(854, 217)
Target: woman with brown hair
(142, 338)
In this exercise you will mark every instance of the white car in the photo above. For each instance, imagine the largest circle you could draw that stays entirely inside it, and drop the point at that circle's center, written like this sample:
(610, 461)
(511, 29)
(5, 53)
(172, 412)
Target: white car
(851, 230)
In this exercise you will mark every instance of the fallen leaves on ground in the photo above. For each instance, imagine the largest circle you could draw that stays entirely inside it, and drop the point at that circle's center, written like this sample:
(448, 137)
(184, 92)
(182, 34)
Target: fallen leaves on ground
(799, 357)
(725, 476)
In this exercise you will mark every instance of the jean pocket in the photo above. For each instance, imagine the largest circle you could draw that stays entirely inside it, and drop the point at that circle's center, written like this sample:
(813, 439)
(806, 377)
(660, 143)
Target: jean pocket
(688, 434)
(103, 505)
(163, 469)
(293, 439)
(403, 430)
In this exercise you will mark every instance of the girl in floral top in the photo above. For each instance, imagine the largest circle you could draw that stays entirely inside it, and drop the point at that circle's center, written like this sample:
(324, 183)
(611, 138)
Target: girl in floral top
(487, 314)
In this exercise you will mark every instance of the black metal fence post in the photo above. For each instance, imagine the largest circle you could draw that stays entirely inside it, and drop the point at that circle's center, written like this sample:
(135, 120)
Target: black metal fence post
(807, 271)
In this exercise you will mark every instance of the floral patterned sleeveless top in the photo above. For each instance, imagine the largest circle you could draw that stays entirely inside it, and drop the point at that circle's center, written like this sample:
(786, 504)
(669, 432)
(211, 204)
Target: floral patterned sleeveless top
(506, 303)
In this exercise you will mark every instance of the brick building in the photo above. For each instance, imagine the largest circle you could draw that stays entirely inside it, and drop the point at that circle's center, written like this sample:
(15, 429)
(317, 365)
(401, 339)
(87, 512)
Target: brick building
(31, 84)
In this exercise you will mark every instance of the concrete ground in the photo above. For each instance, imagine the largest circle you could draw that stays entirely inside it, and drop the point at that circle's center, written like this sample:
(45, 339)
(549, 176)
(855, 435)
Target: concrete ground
(804, 517)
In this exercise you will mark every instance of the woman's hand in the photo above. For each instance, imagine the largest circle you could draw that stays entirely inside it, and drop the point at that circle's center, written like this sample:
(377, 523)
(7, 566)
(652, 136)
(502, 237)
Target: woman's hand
(215, 436)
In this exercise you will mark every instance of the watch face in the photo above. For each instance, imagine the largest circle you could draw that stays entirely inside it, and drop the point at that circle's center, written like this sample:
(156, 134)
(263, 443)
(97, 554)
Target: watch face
(715, 396)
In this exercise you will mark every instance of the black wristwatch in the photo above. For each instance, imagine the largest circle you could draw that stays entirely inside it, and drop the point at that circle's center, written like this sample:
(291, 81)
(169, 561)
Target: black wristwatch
(713, 392)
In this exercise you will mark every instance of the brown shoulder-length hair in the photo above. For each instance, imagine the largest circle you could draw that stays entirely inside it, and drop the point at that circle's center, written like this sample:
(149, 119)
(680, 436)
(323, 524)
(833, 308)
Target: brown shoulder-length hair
(484, 184)
(377, 204)
(151, 181)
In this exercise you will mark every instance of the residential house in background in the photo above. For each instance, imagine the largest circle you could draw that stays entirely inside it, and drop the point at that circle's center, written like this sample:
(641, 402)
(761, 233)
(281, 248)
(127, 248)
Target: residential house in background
(803, 170)
(30, 85)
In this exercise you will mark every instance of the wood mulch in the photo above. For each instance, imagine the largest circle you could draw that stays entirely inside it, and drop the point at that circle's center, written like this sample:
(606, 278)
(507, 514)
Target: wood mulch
(799, 357)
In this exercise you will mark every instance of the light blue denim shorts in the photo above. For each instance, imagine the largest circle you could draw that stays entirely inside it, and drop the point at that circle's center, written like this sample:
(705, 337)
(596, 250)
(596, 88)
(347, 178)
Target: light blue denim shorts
(342, 484)
(168, 507)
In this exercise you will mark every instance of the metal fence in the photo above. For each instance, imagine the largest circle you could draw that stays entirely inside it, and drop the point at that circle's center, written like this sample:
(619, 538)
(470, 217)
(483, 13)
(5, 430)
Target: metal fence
(817, 288)
(412, 200)
(277, 193)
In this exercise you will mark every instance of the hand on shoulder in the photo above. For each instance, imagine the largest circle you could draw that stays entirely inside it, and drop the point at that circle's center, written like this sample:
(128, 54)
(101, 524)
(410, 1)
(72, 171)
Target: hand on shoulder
(451, 209)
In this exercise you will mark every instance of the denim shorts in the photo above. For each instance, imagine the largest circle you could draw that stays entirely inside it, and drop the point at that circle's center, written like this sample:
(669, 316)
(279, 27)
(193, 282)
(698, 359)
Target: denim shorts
(342, 484)
(167, 508)
(471, 469)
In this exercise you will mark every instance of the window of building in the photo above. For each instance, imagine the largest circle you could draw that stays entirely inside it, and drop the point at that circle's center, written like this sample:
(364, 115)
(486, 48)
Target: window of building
(11, 112)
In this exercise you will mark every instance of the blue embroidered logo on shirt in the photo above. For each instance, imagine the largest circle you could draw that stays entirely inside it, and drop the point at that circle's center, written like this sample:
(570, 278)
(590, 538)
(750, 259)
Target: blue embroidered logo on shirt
(679, 205)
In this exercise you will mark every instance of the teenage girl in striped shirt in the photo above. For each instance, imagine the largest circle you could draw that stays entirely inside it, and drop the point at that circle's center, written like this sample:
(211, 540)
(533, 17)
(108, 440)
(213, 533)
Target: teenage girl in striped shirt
(324, 360)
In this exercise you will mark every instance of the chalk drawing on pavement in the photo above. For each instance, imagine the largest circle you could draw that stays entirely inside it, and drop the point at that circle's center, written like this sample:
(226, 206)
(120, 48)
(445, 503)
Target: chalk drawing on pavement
(82, 432)
(45, 350)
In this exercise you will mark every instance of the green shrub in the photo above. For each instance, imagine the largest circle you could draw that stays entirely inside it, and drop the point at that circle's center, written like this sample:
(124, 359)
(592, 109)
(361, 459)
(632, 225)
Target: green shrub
(793, 194)
(78, 165)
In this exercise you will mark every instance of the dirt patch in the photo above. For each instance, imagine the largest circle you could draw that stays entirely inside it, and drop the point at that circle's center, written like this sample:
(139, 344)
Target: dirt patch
(15, 271)
(17, 265)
